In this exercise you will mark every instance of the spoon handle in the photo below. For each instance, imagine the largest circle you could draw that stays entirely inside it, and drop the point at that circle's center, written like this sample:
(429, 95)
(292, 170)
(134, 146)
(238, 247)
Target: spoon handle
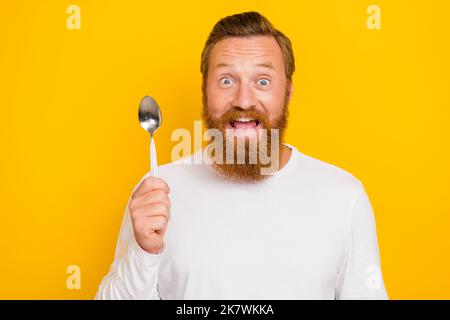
(153, 159)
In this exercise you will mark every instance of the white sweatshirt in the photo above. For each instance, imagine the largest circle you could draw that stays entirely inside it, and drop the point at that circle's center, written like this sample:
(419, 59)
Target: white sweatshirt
(308, 232)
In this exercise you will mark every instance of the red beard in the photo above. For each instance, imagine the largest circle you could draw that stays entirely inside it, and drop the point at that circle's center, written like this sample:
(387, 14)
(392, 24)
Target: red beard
(247, 169)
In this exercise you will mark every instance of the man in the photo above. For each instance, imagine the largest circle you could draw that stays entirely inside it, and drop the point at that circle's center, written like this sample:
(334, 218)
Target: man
(224, 230)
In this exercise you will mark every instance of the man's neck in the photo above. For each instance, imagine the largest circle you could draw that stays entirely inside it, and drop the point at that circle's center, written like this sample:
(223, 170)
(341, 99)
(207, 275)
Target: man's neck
(285, 155)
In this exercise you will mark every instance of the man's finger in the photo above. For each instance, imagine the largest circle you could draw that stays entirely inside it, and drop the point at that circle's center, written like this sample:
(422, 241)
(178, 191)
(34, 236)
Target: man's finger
(151, 184)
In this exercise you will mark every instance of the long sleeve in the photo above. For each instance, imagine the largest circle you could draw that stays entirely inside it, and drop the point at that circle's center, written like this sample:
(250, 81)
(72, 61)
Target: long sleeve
(361, 276)
(134, 272)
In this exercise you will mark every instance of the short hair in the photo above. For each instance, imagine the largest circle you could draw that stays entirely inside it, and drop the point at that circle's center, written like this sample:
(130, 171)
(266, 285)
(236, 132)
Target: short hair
(247, 24)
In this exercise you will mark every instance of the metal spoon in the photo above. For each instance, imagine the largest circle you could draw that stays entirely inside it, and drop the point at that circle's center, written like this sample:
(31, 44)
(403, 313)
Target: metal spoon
(150, 118)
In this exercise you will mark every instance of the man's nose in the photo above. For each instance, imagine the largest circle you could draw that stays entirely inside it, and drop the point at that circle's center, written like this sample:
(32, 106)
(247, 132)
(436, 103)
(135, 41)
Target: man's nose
(245, 97)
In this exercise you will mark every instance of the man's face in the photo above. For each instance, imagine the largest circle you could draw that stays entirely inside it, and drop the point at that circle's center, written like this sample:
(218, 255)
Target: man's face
(246, 89)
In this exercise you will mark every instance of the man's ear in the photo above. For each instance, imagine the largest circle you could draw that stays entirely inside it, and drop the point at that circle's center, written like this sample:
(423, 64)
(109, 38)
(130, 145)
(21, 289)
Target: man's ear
(203, 85)
(204, 97)
(291, 91)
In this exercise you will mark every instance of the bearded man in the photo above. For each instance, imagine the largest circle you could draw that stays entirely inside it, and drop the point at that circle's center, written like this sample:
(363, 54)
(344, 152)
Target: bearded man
(228, 229)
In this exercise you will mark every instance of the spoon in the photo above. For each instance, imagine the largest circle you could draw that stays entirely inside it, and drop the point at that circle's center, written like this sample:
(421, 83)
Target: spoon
(150, 119)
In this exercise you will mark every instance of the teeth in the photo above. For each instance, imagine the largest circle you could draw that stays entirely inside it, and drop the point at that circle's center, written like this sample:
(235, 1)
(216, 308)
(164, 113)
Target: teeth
(245, 119)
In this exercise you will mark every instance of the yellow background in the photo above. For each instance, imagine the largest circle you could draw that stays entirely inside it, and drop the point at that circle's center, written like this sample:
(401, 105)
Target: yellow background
(373, 102)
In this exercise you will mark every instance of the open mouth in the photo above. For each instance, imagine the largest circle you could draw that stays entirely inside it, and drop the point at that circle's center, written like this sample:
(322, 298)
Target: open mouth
(245, 124)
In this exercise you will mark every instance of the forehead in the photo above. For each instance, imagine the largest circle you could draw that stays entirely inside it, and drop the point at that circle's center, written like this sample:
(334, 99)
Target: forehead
(255, 49)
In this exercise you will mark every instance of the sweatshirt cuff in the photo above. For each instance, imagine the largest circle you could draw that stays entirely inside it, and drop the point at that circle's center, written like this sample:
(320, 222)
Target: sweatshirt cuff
(148, 258)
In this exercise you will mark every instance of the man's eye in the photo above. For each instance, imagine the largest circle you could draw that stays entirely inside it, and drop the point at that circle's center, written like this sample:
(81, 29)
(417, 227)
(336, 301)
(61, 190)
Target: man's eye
(225, 81)
(264, 82)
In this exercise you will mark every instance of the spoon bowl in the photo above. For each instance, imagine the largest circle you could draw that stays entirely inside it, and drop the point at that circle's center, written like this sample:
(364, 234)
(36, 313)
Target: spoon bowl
(150, 119)
(149, 114)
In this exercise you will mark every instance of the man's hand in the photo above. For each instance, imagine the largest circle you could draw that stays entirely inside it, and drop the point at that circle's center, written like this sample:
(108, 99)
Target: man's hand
(150, 212)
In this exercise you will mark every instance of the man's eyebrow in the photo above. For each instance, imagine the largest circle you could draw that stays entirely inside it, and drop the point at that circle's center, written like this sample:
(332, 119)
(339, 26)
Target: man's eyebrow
(223, 64)
(264, 64)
